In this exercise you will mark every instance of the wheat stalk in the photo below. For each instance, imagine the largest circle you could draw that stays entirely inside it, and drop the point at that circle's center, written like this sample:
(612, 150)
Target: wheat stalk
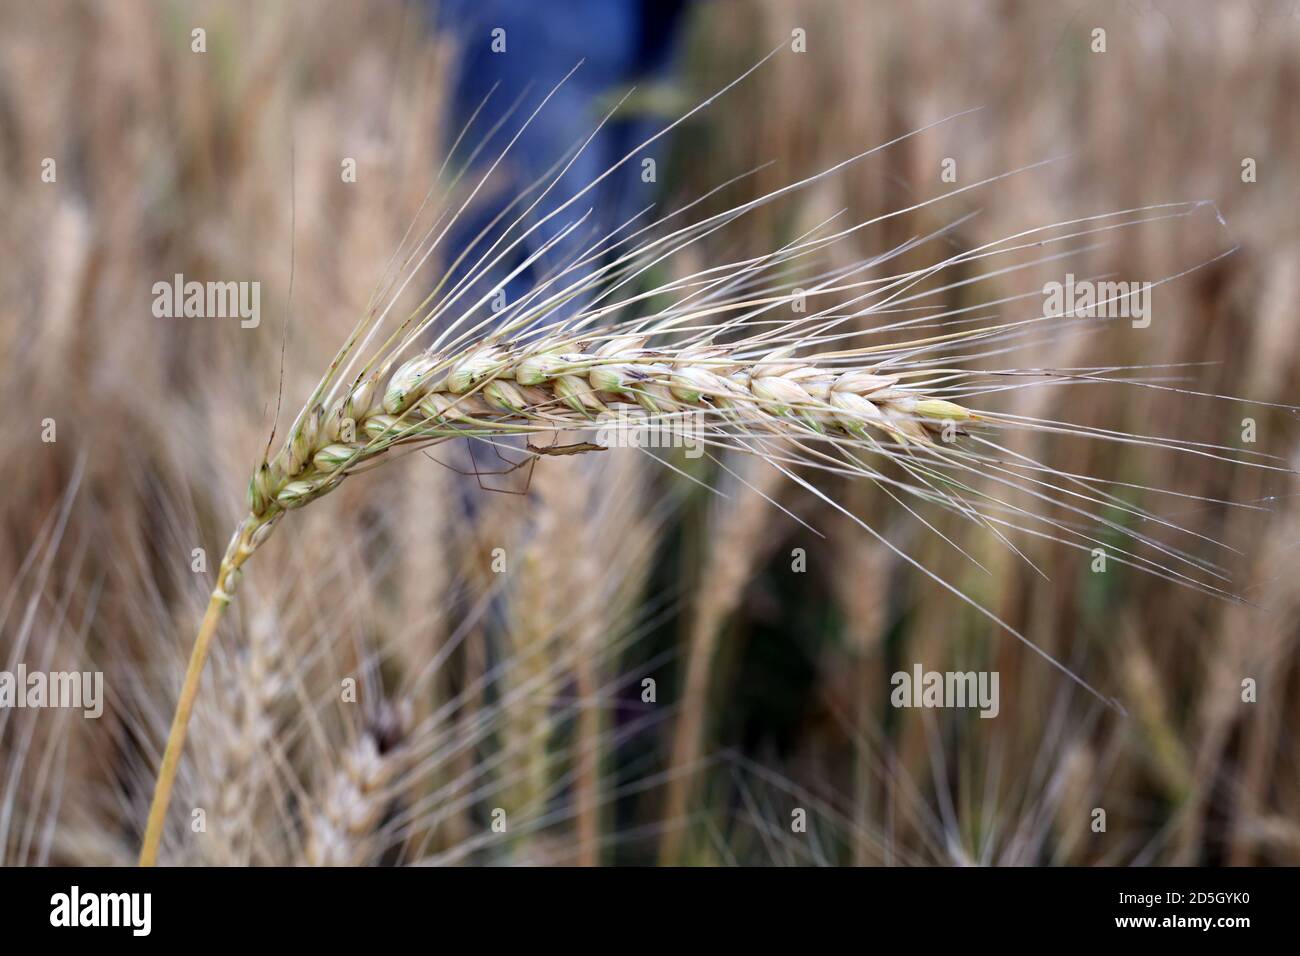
(495, 390)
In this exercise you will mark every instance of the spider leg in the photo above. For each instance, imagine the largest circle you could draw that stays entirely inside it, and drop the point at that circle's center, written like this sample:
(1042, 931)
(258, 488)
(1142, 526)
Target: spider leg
(515, 464)
(477, 472)
(530, 459)
(452, 468)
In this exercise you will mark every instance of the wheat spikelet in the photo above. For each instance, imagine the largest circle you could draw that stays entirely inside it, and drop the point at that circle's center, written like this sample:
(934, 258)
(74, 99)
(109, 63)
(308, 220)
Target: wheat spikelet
(341, 831)
(234, 782)
(539, 612)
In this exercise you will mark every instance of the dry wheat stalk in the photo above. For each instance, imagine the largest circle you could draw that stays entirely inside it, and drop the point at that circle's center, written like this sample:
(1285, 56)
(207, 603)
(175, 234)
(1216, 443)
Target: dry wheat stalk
(562, 384)
(737, 547)
(515, 388)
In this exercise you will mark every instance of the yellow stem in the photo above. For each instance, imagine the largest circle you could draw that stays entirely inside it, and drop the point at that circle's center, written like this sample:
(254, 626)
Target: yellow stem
(162, 791)
(242, 545)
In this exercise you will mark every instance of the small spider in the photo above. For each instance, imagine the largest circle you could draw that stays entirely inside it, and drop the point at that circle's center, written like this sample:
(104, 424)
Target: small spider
(533, 452)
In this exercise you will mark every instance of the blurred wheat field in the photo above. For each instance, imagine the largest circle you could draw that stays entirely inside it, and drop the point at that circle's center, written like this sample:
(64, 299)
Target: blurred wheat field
(475, 691)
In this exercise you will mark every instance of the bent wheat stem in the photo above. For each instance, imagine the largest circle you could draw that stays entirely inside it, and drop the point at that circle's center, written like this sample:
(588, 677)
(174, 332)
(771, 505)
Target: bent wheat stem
(241, 548)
